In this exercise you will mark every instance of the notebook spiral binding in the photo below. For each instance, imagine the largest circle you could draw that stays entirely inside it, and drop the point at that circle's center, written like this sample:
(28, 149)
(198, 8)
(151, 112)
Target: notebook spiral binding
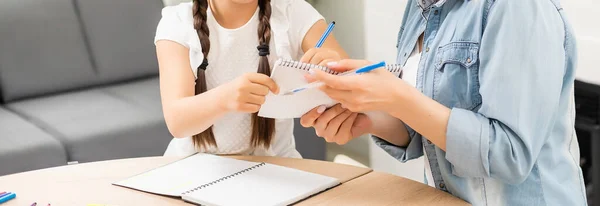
(224, 178)
(394, 68)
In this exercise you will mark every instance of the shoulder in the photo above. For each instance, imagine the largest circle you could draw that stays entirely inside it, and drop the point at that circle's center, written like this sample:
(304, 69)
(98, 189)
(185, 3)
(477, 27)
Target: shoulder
(177, 24)
(181, 13)
(292, 8)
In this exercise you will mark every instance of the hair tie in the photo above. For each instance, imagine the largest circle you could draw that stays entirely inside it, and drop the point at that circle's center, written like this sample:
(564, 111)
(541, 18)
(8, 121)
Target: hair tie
(263, 50)
(204, 64)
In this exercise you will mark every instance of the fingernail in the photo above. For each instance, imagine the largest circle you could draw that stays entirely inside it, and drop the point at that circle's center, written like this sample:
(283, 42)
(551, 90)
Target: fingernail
(311, 72)
(321, 109)
(344, 107)
(331, 64)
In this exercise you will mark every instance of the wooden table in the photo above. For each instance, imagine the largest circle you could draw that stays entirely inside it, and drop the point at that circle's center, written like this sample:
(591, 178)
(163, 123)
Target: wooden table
(91, 183)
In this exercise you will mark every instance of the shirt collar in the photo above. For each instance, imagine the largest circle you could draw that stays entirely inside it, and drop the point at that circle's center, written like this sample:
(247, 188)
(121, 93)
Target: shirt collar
(426, 4)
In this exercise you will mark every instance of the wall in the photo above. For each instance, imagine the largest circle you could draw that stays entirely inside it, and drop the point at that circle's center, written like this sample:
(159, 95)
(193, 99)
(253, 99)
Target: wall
(584, 18)
(174, 2)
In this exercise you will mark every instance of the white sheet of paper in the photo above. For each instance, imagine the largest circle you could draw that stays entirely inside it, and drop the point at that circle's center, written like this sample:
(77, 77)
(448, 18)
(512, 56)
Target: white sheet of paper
(186, 174)
(295, 105)
(298, 104)
(267, 185)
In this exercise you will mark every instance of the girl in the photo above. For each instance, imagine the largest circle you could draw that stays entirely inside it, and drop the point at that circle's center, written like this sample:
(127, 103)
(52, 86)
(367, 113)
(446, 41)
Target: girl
(211, 89)
(493, 108)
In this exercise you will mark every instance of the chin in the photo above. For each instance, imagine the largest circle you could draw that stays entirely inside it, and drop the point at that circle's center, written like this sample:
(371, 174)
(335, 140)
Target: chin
(244, 1)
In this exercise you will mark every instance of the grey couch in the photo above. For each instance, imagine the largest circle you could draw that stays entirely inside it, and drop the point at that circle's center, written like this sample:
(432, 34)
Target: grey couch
(78, 83)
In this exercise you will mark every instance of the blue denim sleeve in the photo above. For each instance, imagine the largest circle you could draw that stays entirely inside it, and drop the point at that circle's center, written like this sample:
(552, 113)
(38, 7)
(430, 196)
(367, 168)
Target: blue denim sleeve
(413, 150)
(522, 66)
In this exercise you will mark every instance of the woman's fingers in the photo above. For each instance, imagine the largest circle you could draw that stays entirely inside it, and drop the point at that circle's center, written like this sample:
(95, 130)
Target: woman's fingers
(322, 122)
(347, 64)
(333, 126)
(308, 119)
(345, 131)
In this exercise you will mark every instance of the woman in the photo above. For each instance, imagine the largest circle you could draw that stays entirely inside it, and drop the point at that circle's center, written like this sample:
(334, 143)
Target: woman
(492, 111)
(215, 58)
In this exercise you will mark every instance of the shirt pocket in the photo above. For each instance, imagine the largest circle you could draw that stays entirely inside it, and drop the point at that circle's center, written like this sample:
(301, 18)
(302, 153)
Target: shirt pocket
(456, 76)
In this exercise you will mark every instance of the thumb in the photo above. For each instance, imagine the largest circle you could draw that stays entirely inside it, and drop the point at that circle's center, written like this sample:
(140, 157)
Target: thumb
(330, 80)
(347, 65)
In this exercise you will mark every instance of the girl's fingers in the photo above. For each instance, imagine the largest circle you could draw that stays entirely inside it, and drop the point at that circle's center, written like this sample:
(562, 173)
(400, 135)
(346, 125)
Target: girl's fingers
(317, 59)
(257, 89)
(263, 80)
(253, 99)
(308, 55)
(249, 108)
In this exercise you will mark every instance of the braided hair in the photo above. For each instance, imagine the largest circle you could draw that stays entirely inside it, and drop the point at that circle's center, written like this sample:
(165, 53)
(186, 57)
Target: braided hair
(263, 129)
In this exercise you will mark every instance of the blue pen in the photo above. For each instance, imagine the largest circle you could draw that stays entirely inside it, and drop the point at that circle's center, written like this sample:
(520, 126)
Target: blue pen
(325, 35)
(7, 197)
(318, 84)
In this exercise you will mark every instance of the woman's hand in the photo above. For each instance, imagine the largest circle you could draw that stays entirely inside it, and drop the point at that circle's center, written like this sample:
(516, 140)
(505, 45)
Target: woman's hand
(378, 90)
(320, 56)
(247, 93)
(336, 124)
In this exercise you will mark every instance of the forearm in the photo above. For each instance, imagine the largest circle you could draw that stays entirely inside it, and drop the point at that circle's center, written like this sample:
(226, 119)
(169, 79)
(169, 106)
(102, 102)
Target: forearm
(192, 115)
(389, 128)
(422, 114)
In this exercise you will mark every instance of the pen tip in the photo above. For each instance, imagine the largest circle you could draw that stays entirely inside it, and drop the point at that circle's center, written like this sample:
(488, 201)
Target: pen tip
(333, 22)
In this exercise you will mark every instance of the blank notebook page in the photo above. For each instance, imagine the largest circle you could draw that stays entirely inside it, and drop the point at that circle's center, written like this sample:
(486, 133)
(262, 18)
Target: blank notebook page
(290, 75)
(264, 185)
(183, 175)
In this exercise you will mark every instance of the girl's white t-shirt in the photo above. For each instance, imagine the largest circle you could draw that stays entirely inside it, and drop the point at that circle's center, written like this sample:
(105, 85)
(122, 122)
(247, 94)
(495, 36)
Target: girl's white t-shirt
(233, 53)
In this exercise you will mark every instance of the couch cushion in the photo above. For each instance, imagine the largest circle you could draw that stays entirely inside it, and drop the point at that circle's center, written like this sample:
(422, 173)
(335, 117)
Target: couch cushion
(121, 36)
(25, 147)
(42, 49)
(122, 121)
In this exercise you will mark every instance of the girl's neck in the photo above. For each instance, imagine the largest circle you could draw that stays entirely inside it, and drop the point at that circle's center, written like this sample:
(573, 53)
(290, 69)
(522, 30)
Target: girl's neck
(232, 15)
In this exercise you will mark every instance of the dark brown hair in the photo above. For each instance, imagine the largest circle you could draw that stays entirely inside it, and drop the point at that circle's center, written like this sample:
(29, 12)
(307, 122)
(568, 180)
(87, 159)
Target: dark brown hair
(263, 129)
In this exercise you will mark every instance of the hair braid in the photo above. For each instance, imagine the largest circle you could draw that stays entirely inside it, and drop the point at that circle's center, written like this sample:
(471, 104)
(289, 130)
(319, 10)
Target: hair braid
(263, 128)
(200, 7)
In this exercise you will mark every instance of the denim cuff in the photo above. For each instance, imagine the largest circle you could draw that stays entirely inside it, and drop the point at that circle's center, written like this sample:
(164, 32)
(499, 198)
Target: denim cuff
(467, 143)
(413, 150)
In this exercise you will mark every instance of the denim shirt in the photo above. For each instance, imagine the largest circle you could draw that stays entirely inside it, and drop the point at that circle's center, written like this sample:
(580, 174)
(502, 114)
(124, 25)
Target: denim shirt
(506, 69)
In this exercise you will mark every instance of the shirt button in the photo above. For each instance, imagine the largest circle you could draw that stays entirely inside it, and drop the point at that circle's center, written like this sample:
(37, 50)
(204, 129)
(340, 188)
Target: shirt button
(405, 54)
(468, 60)
(427, 49)
(435, 12)
(442, 185)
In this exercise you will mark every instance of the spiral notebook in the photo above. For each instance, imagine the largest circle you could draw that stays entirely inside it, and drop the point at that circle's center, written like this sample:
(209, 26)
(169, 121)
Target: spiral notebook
(205, 179)
(289, 74)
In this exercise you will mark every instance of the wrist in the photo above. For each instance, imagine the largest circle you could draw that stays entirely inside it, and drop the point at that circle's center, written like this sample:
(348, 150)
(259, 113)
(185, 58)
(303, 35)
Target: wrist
(220, 105)
(399, 97)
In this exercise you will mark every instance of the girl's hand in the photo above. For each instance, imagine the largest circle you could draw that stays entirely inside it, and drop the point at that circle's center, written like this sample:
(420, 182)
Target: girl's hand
(320, 56)
(378, 90)
(247, 93)
(336, 124)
